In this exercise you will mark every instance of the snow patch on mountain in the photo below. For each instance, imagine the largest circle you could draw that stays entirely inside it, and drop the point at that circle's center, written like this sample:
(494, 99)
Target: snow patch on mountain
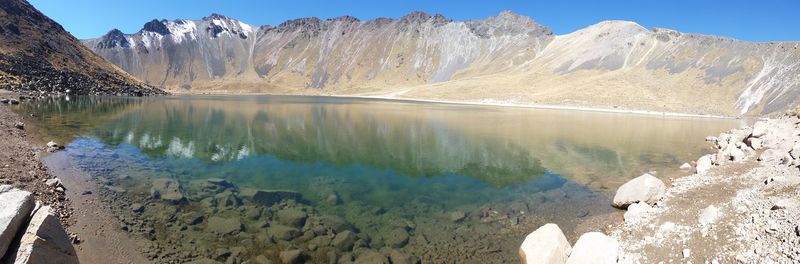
(182, 30)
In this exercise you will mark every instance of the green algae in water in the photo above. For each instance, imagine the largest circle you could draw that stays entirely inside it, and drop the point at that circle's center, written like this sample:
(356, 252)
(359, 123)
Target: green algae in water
(395, 172)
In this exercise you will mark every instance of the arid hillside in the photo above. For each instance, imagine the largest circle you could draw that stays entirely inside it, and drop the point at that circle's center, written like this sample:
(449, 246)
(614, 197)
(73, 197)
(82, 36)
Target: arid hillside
(38, 55)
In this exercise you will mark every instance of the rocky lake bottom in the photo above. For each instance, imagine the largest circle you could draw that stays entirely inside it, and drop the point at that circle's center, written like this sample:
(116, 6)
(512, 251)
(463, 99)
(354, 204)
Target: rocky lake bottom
(287, 179)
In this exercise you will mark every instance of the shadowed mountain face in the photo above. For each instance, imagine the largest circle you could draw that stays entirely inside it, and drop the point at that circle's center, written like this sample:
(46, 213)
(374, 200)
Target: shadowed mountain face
(37, 54)
(506, 58)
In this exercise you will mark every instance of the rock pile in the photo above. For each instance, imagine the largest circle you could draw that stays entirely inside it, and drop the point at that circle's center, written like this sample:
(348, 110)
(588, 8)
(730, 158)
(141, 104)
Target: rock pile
(38, 77)
(547, 244)
(30, 232)
(739, 206)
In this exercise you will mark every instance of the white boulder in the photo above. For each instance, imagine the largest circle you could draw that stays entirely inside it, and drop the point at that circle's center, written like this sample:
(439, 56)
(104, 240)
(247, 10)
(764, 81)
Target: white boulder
(795, 152)
(44, 241)
(646, 188)
(636, 211)
(755, 143)
(595, 248)
(759, 129)
(686, 166)
(15, 208)
(709, 215)
(545, 245)
(704, 164)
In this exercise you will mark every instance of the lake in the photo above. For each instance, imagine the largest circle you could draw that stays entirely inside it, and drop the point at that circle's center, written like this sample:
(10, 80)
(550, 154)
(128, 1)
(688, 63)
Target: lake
(236, 178)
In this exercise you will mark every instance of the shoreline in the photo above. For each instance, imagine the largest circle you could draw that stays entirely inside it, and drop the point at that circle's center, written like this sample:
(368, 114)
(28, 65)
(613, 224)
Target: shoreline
(738, 205)
(486, 103)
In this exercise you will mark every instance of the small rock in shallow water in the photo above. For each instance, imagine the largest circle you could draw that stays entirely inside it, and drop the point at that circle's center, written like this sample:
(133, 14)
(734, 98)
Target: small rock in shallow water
(283, 233)
(137, 208)
(167, 189)
(457, 216)
(344, 241)
(19, 125)
(292, 217)
(272, 197)
(291, 256)
(686, 166)
(221, 225)
(396, 238)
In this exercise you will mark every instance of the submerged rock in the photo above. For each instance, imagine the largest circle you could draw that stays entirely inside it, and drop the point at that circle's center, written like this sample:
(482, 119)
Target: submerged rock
(283, 233)
(344, 241)
(396, 238)
(224, 226)
(594, 247)
(457, 216)
(646, 188)
(167, 189)
(372, 257)
(545, 245)
(15, 207)
(291, 256)
(272, 197)
(292, 217)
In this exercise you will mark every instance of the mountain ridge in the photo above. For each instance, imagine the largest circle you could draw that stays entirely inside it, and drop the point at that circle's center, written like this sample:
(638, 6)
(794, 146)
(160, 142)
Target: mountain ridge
(38, 56)
(427, 56)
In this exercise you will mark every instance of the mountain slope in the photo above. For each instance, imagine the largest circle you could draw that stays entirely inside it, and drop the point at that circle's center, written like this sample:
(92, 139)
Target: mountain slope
(505, 58)
(37, 54)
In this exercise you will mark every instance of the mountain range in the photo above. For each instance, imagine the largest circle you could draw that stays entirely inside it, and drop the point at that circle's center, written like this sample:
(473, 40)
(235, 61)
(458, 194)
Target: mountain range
(508, 58)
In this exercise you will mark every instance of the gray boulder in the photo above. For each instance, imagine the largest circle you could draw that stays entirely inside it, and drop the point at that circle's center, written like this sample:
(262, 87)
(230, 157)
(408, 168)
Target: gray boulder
(44, 241)
(15, 208)
(646, 188)
(545, 245)
(594, 247)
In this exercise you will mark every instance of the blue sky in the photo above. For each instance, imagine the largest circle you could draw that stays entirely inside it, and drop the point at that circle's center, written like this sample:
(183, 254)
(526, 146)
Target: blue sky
(769, 20)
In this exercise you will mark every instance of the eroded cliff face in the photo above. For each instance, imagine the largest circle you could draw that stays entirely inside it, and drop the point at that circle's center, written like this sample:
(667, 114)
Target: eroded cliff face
(505, 58)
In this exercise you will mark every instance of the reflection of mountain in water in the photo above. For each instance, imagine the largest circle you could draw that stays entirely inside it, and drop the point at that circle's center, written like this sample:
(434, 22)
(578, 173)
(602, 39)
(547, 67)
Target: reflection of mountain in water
(499, 146)
(325, 133)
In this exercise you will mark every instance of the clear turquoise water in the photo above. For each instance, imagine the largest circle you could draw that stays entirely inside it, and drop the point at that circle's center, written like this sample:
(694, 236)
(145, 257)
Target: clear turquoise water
(416, 161)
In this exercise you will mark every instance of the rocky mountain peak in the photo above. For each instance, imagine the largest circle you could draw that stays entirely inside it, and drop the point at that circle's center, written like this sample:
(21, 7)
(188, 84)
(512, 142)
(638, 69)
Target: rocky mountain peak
(508, 23)
(213, 16)
(419, 17)
(307, 23)
(156, 27)
(346, 19)
(114, 38)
